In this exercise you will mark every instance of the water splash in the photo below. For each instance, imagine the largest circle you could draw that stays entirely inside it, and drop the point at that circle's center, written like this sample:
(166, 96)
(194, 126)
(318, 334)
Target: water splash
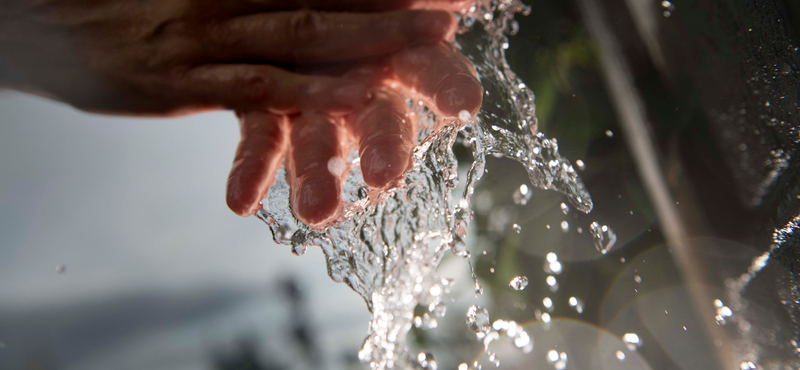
(388, 244)
(735, 289)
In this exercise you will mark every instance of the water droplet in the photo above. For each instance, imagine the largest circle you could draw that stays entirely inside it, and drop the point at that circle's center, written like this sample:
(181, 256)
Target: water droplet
(491, 269)
(298, 243)
(553, 267)
(564, 208)
(551, 280)
(609, 133)
(576, 303)
(478, 289)
(478, 319)
(440, 310)
(516, 228)
(637, 279)
(580, 164)
(463, 366)
(551, 257)
(720, 320)
(620, 355)
(426, 361)
(579, 230)
(299, 249)
(545, 317)
(552, 356)
(564, 226)
(522, 195)
(632, 341)
(748, 365)
(428, 322)
(604, 237)
(547, 302)
(518, 283)
(60, 269)
(523, 340)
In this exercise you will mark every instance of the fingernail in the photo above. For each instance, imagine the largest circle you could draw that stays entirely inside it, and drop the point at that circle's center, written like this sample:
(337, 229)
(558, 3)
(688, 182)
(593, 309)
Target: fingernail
(316, 197)
(352, 95)
(459, 92)
(434, 24)
(383, 160)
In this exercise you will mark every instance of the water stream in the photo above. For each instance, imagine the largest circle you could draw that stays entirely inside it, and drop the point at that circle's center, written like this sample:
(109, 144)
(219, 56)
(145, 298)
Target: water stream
(388, 244)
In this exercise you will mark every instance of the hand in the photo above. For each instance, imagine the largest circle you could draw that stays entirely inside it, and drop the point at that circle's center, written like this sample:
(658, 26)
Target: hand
(315, 144)
(158, 57)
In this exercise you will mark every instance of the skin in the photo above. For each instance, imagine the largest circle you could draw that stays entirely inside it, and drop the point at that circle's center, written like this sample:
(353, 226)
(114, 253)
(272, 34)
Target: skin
(305, 76)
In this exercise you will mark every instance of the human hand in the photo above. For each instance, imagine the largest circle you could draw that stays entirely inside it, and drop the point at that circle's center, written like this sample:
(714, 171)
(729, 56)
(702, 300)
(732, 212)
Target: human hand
(315, 144)
(159, 57)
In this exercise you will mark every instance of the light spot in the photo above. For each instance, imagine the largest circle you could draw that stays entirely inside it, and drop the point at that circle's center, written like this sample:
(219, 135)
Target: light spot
(464, 116)
(336, 166)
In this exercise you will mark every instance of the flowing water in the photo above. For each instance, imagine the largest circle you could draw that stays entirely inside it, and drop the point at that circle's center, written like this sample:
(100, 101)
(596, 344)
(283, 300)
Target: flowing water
(388, 244)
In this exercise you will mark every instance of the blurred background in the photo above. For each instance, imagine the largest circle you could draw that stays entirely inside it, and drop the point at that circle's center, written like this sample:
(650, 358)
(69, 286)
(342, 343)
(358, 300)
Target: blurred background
(117, 250)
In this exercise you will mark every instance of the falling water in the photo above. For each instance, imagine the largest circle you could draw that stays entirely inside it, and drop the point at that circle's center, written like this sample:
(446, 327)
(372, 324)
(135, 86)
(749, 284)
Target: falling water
(388, 244)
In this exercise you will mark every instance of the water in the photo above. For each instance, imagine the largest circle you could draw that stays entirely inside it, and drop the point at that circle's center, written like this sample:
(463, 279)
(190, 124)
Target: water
(632, 341)
(387, 245)
(478, 320)
(604, 237)
(518, 283)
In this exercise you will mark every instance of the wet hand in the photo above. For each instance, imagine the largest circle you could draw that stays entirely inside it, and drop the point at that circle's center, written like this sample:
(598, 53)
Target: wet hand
(316, 143)
(159, 57)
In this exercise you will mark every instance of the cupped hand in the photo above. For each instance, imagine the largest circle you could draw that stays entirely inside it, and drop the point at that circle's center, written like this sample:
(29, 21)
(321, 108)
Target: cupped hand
(315, 144)
(158, 57)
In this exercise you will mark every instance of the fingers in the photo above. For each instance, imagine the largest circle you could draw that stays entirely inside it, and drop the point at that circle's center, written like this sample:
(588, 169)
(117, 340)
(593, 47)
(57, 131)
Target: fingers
(385, 135)
(260, 87)
(441, 74)
(260, 151)
(351, 5)
(316, 166)
(310, 37)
